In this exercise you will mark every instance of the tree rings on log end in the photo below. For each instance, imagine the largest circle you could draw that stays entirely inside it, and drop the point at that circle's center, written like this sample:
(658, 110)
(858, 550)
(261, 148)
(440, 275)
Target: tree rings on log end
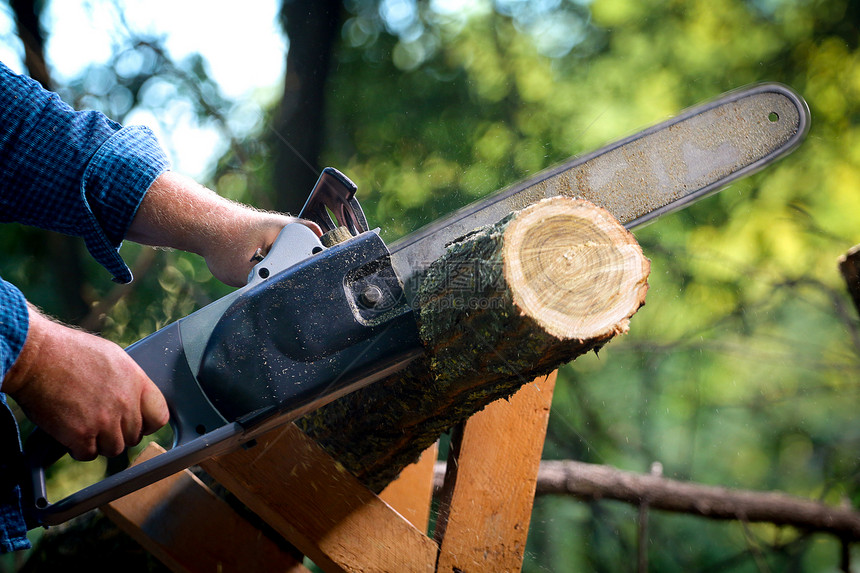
(573, 268)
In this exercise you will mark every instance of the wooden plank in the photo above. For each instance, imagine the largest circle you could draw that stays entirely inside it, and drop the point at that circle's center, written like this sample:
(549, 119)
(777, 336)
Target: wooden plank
(412, 492)
(293, 484)
(497, 465)
(189, 529)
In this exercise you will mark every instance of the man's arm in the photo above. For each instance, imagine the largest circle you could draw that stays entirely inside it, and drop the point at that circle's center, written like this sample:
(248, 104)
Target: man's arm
(177, 212)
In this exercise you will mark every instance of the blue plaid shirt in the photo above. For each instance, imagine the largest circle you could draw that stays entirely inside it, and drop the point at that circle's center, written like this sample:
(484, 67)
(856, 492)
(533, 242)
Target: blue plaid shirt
(77, 173)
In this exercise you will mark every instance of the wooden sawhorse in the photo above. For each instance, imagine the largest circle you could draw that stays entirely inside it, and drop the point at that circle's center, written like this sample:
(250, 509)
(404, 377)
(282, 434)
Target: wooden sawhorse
(327, 515)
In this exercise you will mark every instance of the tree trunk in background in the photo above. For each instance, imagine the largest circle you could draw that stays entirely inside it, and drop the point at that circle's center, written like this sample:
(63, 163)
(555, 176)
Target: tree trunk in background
(312, 28)
(27, 19)
(64, 254)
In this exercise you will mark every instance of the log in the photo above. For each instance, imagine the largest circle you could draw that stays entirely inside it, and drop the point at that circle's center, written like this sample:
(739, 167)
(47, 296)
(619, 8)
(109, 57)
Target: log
(505, 304)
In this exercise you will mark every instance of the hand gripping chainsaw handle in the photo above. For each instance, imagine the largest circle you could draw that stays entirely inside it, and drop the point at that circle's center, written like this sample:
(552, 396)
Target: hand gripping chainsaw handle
(191, 413)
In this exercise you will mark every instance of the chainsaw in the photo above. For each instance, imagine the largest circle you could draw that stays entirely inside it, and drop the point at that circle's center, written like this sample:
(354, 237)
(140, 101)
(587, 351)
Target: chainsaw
(324, 316)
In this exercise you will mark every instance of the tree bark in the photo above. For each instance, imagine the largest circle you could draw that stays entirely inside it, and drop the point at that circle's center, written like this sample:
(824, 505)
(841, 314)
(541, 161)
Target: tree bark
(505, 304)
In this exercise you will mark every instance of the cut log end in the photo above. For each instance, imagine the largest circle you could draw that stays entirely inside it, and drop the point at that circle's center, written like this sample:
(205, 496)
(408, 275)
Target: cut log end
(574, 269)
(514, 300)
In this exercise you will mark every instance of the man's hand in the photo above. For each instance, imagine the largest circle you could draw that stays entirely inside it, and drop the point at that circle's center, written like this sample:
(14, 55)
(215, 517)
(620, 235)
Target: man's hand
(84, 391)
(179, 213)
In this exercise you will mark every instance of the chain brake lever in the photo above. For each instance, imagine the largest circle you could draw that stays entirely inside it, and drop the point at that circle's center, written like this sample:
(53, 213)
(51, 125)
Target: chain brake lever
(334, 192)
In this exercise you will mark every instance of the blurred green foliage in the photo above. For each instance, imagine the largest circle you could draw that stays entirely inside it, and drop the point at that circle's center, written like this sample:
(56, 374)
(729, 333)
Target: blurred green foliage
(742, 369)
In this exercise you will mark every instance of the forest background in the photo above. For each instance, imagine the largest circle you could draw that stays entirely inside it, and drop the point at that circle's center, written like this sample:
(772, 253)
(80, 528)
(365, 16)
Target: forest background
(743, 368)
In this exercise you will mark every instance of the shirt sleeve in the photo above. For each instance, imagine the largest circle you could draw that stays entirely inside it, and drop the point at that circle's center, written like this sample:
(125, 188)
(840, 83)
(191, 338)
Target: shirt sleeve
(14, 321)
(77, 173)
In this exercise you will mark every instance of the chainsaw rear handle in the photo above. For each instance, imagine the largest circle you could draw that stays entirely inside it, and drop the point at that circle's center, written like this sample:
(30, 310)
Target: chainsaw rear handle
(334, 193)
(40, 451)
